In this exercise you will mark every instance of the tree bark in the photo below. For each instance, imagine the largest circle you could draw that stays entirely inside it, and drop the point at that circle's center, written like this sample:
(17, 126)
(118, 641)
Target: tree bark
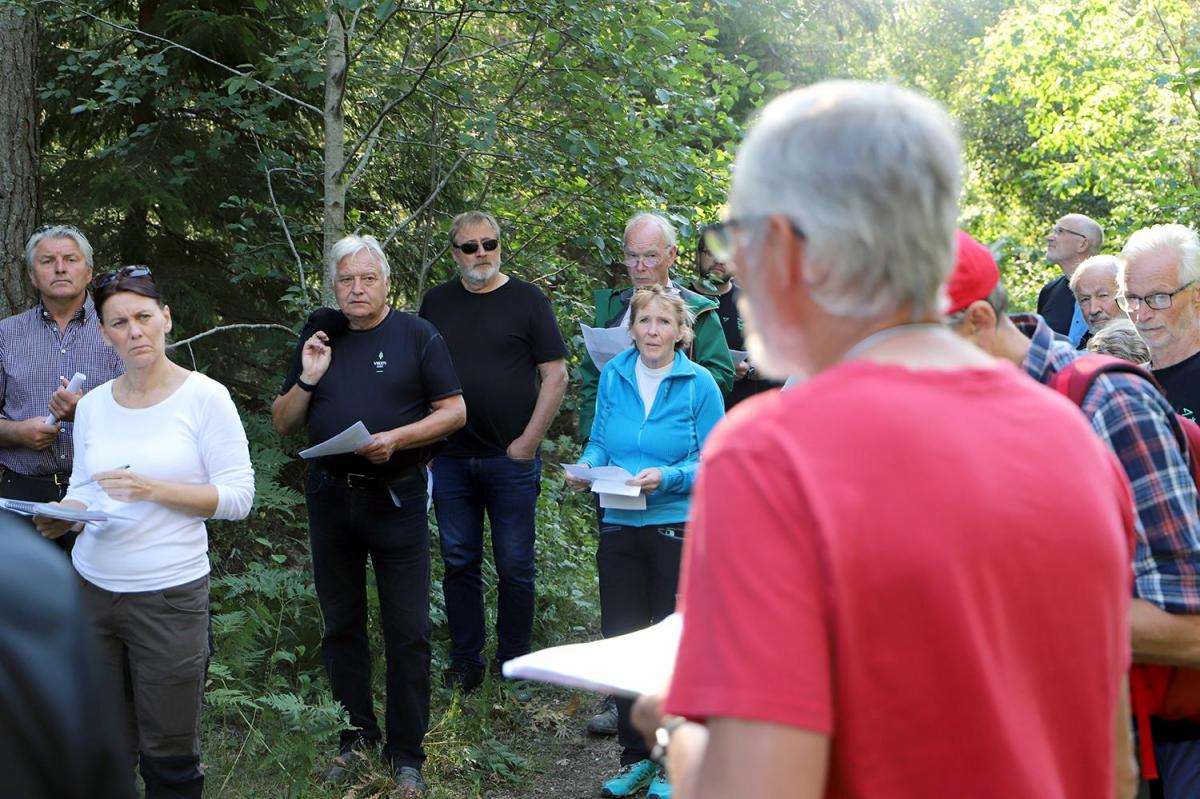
(19, 201)
(334, 220)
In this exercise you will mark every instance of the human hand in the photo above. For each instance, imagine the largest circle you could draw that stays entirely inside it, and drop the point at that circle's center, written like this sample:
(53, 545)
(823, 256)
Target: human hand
(576, 484)
(34, 433)
(380, 450)
(56, 528)
(741, 370)
(62, 402)
(522, 450)
(646, 717)
(649, 479)
(315, 358)
(124, 485)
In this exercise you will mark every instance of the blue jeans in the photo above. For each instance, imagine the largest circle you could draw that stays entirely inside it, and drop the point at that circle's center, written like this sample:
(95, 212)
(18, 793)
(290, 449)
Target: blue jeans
(346, 525)
(463, 488)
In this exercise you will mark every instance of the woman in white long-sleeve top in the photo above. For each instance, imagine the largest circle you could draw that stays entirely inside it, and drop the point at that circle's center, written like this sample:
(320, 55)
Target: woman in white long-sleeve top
(161, 449)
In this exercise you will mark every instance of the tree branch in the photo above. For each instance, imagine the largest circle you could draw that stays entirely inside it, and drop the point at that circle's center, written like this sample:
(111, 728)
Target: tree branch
(222, 328)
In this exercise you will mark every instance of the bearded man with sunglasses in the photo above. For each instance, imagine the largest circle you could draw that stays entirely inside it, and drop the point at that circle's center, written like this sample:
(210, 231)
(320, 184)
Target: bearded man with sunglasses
(1157, 284)
(40, 350)
(510, 357)
(1071, 241)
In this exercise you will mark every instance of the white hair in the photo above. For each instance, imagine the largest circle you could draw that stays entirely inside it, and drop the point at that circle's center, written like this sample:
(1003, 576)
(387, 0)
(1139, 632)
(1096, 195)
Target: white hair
(1183, 240)
(58, 232)
(1101, 263)
(351, 245)
(870, 174)
(659, 221)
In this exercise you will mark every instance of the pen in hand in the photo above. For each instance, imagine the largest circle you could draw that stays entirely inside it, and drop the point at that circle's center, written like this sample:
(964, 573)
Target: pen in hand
(91, 480)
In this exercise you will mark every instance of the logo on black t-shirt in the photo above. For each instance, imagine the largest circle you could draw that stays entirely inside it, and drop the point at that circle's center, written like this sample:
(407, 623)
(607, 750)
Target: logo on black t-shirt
(380, 363)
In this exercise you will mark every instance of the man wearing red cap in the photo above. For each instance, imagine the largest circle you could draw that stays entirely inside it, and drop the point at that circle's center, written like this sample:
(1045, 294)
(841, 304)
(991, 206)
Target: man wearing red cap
(1135, 421)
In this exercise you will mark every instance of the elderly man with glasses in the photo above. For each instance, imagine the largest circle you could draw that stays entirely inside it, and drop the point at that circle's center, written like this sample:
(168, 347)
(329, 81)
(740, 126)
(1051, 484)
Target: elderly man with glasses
(1071, 241)
(1160, 266)
(40, 351)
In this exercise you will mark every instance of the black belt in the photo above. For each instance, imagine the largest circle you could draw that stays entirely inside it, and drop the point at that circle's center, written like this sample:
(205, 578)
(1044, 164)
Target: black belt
(370, 481)
(60, 479)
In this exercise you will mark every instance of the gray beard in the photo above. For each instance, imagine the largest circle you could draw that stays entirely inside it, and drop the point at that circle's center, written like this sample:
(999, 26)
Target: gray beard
(479, 279)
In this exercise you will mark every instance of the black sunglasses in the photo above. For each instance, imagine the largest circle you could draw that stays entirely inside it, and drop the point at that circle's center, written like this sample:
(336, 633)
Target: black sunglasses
(471, 247)
(108, 278)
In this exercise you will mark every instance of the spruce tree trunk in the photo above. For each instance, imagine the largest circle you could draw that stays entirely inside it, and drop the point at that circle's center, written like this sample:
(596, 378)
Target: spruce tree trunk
(335, 130)
(19, 146)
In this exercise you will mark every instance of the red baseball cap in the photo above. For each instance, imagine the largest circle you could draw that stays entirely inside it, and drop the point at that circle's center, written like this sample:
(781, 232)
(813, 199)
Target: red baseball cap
(975, 274)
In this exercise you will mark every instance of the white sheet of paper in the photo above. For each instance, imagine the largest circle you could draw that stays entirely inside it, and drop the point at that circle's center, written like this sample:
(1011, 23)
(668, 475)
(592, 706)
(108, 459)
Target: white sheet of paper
(621, 502)
(625, 665)
(738, 356)
(58, 511)
(614, 473)
(617, 487)
(603, 343)
(352, 438)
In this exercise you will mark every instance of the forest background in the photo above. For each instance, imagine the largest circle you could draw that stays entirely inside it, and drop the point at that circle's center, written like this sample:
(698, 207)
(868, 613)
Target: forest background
(228, 143)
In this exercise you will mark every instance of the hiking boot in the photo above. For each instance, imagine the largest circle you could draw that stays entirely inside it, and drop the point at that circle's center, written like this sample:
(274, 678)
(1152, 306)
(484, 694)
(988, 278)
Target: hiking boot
(409, 782)
(605, 722)
(660, 787)
(463, 677)
(630, 779)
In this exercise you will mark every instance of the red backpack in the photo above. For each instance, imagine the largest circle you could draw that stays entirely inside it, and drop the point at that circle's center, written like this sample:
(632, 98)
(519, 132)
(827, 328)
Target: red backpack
(1166, 692)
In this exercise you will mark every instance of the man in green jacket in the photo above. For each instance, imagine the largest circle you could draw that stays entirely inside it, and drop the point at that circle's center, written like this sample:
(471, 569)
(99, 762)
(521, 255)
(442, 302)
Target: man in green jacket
(650, 251)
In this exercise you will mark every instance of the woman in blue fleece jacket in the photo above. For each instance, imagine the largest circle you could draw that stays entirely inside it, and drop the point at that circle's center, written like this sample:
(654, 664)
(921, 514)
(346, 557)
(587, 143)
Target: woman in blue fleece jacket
(654, 410)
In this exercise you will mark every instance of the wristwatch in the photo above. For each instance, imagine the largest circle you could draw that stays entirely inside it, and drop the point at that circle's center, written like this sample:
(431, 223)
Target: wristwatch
(662, 737)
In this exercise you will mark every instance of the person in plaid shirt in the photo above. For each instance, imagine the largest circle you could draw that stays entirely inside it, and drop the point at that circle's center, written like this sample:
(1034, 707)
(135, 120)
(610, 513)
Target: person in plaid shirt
(1134, 420)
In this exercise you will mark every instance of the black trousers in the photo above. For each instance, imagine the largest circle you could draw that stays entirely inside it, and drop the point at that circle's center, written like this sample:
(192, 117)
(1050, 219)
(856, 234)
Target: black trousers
(639, 577)
(37, 489)
(348, 523)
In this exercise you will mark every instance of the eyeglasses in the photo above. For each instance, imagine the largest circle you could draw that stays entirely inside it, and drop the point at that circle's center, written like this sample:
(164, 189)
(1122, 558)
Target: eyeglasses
(1058, 230)
(1161, 301)
(652, 260)
(471, 247)
(720, 237)
(108, 278)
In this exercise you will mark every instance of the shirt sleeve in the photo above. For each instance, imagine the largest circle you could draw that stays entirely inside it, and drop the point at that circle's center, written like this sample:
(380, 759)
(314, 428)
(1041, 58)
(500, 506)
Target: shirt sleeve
(546, 339)
(88, 495)
(755, 604)
(225, 454)
(595, 453)
(708, 410)
(1166, 563)
(437, 368)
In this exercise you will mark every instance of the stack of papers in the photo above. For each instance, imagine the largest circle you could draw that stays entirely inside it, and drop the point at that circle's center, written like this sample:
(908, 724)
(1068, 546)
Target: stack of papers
(51, 511)
(627, 665)
(608, 483)
(353, 438)
(604, 343)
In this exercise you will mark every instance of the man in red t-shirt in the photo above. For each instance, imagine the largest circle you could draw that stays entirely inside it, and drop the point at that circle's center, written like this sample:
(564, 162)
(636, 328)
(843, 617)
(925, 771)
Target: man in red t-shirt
(908, 575)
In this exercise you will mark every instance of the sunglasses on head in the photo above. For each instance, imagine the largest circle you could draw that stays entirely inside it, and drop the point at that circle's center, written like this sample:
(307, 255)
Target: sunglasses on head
(107, 278)
(471, 247)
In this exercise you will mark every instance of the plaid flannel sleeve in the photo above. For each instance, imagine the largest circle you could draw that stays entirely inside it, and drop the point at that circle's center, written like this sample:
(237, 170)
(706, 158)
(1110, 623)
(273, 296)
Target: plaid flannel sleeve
(1135, 422)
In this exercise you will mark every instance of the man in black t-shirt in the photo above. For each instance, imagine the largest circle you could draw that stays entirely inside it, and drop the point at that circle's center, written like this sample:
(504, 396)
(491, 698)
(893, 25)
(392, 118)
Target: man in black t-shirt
(507, 348)
(1071, 241)
(1159, 283)
(391, 371)
(715, 279)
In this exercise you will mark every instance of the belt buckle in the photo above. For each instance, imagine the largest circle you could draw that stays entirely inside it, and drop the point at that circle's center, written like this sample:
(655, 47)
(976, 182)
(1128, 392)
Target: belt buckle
(354, 480)
(62, 479)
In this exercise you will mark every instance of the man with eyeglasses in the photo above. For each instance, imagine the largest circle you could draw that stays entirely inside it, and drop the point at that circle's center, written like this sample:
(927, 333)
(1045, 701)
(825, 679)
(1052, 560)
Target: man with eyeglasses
(649, 251)
(510, 356)
(40, 351)
(1073, 239)
(1160, 267)
(1130, 416)
(881, 557)
(392, 372)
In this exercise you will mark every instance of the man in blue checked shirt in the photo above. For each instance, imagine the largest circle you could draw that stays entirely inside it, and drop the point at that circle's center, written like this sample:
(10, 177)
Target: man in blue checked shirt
(40, 350)
(1129, 415)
